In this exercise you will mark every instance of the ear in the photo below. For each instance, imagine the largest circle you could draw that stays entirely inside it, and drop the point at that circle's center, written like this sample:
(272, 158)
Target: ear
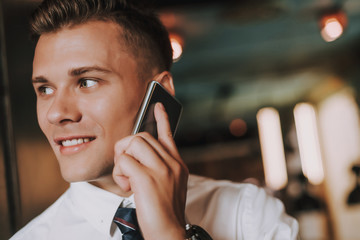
(166, 80)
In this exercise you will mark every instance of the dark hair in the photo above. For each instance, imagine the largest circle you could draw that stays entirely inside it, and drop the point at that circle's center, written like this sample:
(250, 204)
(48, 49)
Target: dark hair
(142, 31)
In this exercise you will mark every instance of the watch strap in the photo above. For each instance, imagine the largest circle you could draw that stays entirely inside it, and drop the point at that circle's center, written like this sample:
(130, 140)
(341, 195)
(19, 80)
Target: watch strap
(195, 232)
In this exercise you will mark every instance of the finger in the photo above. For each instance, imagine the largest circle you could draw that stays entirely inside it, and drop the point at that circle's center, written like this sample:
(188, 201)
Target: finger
(165, 136)
(173, 162)
(122, 145)
(145, 149)
(144, 152)
(120, 179)
(128, 167)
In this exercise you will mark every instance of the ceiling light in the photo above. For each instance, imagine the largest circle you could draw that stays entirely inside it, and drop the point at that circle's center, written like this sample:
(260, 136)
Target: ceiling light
(177, 46)
(332, 23)
(272, 148)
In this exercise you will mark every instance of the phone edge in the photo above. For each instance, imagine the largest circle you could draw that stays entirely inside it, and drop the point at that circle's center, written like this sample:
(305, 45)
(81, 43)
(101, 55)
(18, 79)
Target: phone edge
(140, 115)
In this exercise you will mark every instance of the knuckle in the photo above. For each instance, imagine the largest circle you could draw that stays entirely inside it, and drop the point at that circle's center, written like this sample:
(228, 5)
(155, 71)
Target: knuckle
(181, 169)
(121, 144)
(120, 159)
(164, 172)
(145, 135)
(136, 140)
(118, 147)
(178, 168)
(166, 136)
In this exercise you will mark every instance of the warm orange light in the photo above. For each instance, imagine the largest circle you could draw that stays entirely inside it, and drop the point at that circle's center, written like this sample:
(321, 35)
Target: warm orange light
(168, 19)
(177, 46)
(332, 25)
(332, 30)
(238, 127)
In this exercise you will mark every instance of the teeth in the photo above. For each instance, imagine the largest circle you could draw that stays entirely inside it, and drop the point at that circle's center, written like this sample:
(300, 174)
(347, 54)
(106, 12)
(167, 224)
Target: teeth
(73, 142)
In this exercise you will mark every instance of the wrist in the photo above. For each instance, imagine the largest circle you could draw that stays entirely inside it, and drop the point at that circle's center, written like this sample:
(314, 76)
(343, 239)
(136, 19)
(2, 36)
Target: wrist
(177, 233)
(194, 232)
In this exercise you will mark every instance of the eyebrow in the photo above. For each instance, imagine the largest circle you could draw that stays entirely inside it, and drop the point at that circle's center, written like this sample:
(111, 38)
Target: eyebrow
(79, 71)
(39, 79)
(74, 72)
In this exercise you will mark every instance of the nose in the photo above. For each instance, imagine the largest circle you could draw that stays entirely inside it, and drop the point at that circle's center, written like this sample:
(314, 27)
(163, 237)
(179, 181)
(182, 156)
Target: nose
(64, 109)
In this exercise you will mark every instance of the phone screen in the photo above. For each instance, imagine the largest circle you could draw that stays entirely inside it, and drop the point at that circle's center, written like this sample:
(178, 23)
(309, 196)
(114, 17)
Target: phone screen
(146, 120)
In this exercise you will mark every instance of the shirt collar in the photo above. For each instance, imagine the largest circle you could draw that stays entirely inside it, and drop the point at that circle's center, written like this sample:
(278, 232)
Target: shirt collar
(97, 206)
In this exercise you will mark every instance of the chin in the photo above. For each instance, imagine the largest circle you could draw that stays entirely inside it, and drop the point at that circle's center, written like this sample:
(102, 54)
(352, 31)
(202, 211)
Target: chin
(84, 174)
(83, 166)
(73, 177)
(75, 174)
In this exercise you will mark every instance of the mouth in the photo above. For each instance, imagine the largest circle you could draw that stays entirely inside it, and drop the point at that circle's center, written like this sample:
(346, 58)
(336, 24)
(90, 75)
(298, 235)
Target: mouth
(73, 141)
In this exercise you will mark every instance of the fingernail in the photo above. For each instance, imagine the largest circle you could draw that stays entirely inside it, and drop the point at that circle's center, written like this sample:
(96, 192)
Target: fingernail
(161, 106)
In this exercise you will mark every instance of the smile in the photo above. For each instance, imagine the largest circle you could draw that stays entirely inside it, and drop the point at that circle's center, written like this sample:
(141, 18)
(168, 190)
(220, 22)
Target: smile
(73, 145)
(74, 141)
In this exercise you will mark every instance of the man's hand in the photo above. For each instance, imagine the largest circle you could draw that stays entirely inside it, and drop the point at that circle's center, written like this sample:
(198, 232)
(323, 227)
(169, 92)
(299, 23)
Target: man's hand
(155, 172)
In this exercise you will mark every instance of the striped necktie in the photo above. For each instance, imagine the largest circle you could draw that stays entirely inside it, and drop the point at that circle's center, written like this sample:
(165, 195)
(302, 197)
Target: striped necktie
(125, 219)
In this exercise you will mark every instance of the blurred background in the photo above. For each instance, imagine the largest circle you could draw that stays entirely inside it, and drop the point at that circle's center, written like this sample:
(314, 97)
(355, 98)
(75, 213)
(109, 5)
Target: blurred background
(271, 96)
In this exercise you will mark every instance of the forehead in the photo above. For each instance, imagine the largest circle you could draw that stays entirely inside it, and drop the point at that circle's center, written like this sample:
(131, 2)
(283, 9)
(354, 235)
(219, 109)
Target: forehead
(97, 42)
(98, 33)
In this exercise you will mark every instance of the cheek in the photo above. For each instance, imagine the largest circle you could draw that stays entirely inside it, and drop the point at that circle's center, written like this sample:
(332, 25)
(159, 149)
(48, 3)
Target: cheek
(113, 116)
(118, 107)
(41, 117)
(119, 120)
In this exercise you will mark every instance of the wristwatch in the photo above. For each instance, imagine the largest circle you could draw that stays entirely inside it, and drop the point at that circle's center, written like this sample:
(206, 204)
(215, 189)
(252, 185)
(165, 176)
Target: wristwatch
(194, 232)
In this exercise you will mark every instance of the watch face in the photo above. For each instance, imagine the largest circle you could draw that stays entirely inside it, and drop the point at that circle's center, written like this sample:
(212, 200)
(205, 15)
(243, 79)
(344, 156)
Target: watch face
(195, 232)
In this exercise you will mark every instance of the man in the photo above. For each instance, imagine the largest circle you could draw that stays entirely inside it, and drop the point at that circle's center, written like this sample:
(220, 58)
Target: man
(92, 63)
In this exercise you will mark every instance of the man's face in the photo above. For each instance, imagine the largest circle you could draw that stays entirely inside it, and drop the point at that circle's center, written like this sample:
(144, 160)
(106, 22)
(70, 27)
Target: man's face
(88, 94)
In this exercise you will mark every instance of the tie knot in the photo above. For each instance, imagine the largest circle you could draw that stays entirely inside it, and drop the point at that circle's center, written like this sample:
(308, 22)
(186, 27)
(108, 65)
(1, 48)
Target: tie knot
(125, 219)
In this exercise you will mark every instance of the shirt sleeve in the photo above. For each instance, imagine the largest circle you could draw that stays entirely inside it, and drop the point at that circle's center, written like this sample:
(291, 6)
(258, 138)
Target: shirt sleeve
(229, 210)
(261, 216)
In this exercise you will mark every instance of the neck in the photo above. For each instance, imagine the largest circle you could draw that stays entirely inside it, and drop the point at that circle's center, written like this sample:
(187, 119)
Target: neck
(107, 183)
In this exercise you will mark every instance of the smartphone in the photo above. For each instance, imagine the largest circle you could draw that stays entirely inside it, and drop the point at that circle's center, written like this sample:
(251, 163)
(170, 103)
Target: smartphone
(145, 121)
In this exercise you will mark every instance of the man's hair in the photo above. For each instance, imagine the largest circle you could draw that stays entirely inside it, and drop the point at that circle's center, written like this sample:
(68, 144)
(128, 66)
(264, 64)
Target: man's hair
(142, 31)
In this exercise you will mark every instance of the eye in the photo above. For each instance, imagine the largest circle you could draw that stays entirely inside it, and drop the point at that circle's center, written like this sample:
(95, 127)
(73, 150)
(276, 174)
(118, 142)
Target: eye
(86, 83)
(45, 90)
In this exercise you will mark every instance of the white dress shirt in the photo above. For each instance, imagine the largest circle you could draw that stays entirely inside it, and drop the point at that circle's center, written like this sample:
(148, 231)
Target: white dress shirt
(237, 211)
(226, 210)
